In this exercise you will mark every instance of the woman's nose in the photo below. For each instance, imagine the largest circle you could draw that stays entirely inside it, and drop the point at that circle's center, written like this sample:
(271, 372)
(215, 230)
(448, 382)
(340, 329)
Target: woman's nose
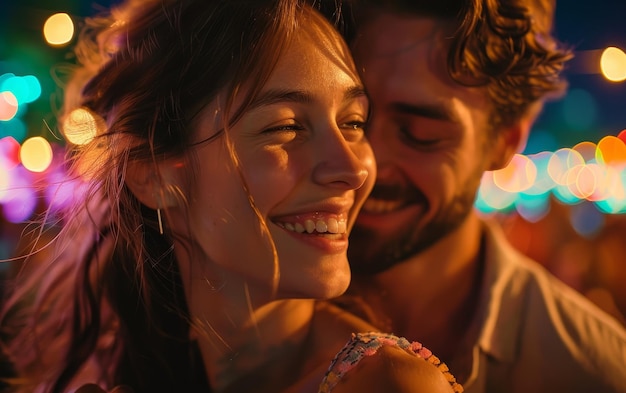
(339, 164)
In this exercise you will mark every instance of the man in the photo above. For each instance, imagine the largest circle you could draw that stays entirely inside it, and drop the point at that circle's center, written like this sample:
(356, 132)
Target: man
(455, 86)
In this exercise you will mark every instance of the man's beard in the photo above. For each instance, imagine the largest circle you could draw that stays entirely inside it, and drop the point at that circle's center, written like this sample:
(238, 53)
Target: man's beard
(371, 253)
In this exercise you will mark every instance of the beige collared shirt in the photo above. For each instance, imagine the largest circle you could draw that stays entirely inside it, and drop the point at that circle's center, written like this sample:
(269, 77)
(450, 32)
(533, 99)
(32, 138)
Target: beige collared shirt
(536, 334)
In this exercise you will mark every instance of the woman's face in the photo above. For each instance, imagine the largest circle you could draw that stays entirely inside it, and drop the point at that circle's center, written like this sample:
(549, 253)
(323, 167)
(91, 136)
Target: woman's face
(308, 168)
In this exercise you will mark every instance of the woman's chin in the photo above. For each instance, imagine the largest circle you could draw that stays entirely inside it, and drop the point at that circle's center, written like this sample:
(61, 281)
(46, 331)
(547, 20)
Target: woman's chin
(324, 286)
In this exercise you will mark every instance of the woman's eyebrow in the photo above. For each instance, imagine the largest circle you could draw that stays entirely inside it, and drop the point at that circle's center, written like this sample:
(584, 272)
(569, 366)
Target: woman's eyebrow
(274, 96)
(353, 92)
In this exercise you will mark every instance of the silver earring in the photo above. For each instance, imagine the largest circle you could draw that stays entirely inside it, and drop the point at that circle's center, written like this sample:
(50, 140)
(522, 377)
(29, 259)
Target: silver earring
(160, 221)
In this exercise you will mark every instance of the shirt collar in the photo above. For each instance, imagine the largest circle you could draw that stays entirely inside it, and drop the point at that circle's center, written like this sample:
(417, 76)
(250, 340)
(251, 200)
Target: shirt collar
(501, 304)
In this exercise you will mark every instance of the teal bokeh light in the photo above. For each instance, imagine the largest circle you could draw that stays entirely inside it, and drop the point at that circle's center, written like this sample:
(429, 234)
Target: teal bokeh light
(15, 128)
(533, 207)
(25, 88)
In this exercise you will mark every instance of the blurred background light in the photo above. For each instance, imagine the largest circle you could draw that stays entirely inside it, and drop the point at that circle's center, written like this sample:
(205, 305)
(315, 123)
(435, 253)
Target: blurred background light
(58, 29)
(613, 64)
(14, 128)
(26, 88)
(9, 152)
(8, 105)
(611, 151)
(519, 175)
(36, 154)
(80, 127)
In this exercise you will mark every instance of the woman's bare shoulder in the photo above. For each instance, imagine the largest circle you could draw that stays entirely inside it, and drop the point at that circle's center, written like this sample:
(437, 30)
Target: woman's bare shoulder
(392, 369)
(380, 362)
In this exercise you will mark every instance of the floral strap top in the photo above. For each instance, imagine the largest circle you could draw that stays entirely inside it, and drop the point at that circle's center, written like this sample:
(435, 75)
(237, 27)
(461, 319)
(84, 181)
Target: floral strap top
(367, 344)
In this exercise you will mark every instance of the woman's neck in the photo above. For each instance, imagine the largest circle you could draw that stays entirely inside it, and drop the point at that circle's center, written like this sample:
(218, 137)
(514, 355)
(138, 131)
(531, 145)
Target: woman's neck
(247, 341)
(269, 356)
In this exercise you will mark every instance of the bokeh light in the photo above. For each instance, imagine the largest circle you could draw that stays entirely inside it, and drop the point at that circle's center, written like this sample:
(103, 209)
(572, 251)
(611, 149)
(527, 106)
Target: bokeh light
(611, 151)
(80, 127)
(543, 182)
(36, 154)
(9, 152)
(491, 197)
(581, 181)
(15, 128)
(518, 176)
(613, 64)
(562, 161)
(58, 29)
(26, 89)
(8, 105)
(533, 207)
(587, 151)
(586, 220)
(5, 181)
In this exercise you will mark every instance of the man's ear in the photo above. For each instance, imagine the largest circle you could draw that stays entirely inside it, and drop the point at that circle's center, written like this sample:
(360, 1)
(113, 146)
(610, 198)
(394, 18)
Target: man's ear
(151, 183)
(510, 140)
(513, 138)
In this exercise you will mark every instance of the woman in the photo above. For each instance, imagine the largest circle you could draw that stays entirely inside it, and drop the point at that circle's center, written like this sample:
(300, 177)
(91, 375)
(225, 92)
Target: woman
(226, 172)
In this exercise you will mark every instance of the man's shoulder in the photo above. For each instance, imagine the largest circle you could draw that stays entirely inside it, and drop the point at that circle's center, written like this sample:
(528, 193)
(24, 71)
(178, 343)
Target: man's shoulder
(552, 322)
(546, 293)
(544, 298)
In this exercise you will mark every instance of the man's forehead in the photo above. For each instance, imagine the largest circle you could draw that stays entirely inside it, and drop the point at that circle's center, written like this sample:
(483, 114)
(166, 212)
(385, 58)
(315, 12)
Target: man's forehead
(392, 34)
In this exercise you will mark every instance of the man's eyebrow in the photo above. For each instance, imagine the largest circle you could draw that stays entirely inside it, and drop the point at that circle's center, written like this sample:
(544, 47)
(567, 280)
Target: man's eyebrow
(436, 112)
(274, 96)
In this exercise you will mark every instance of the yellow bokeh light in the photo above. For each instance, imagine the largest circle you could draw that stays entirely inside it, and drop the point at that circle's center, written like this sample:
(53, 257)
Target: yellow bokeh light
(36, 154)
(582, 181)
(8, 105)
(80, 127)
(613, 64)
(58, 29)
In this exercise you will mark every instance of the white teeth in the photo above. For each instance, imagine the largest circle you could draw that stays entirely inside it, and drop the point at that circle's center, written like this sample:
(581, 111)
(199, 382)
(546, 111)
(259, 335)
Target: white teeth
(333, 225)
(309, 225)
(342, 226)
(330, 225)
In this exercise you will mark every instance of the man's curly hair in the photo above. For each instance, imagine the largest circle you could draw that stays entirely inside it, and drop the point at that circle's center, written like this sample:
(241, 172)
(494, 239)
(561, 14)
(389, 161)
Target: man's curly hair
(506, 46)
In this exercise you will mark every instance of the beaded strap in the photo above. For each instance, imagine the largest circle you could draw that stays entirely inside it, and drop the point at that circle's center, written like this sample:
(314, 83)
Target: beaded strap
(367, 344)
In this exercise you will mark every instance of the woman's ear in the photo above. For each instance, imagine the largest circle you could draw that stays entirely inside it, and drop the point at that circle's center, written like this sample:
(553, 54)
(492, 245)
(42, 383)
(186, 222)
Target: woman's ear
(151, 184)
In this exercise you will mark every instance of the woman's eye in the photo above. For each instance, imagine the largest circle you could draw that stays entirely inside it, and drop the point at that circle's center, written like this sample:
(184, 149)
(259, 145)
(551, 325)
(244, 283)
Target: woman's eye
(355, 125)
(353, 130)
(284, 127)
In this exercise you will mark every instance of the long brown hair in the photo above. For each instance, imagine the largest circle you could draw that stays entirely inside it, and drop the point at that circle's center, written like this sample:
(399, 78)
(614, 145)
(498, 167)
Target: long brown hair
(107, 295)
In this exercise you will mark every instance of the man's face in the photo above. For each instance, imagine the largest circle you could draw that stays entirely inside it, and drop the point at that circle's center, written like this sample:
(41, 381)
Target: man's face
(430, 139)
